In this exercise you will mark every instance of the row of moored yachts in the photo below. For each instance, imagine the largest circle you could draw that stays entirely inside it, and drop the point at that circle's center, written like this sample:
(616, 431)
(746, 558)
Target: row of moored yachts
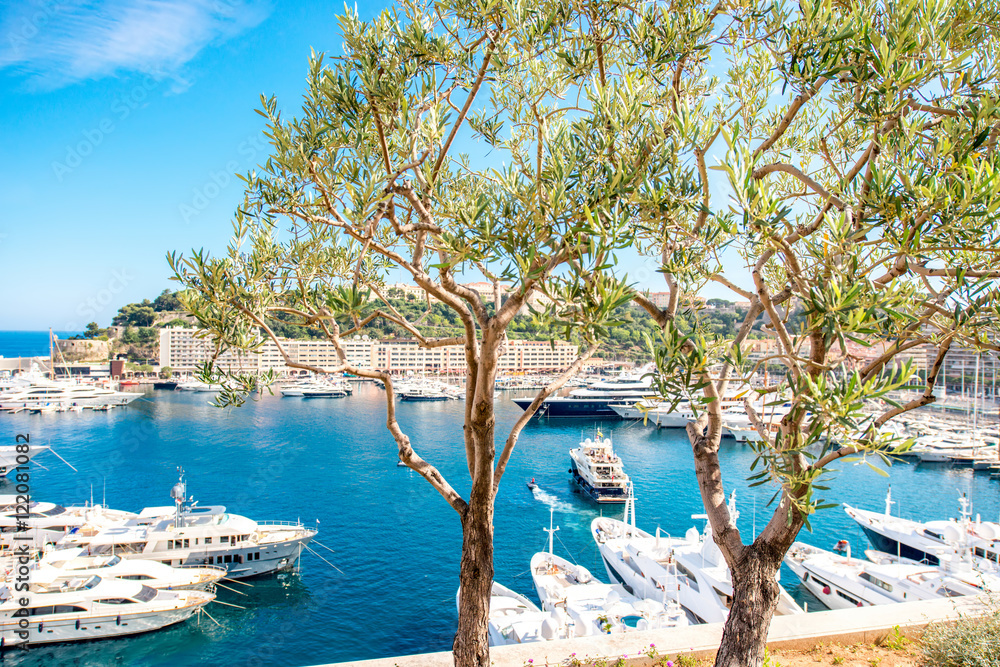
(89, 572)
(659, 581)
(33, 392)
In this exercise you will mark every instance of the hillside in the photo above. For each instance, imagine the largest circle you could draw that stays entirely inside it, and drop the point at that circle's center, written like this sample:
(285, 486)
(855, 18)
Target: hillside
(133, 330)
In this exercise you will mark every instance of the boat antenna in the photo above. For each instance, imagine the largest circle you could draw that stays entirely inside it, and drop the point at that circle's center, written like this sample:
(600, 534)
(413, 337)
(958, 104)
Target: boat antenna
(889, 502)
(963, 501)
(550, 530)
(178, 493)
(104, 493)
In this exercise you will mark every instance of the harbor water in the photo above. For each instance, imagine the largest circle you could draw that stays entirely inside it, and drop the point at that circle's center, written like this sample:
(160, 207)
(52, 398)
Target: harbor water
(389, 587)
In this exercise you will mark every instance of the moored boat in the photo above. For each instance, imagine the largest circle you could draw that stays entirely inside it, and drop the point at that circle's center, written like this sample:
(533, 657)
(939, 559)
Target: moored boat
(514, 619)
(842, 582)
(77, 562)
(85, 608)
(689, 570)
(928, 541)
(598, 471)
(188, 534)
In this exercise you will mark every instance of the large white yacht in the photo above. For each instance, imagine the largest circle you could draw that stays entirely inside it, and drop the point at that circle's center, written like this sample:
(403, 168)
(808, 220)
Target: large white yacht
(76, 562)
(187, 534)
(36, 524)
(599, 472)
(319, 387)
(91, 608)
(842, 582)
(53, 393)
(666, 415)
(591, 607)
(514, 619)
(689, 570)
(928, 541)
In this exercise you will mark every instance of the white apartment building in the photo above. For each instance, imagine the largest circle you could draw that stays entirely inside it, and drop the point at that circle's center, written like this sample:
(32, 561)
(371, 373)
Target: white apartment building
(182, 351)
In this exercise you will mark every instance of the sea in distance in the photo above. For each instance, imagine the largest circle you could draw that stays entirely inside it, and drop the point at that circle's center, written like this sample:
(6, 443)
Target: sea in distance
(28, 343)
(389, 585)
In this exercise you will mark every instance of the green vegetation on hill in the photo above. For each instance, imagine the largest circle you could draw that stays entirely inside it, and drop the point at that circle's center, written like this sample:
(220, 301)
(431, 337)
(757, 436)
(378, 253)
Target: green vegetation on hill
(626, 341)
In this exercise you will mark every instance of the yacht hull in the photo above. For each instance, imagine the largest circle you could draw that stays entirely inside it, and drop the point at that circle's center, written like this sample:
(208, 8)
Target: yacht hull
(610, 495)
(562, 407)
(55, 628)
(888, 545)
(119, 398)
(240, 562)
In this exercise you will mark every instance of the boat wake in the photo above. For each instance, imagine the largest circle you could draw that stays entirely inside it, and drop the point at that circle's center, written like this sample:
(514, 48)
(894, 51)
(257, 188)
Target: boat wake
(543, 496)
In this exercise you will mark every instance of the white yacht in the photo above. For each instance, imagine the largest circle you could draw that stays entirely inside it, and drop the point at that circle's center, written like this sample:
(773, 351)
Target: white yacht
(944, 447)
(188, 534)
(665, 415)
(296, 388)
(641, 409)
(599, 472)
(10, 458)
(53, 394)
(319, 388)
(690, 570)
(842, 582)
(77, 562)
(514, 619)
(48, 523)
(197, 385)
(928, 541)
(91, 608)
(323, 390)
(426, 393)
(593, 607)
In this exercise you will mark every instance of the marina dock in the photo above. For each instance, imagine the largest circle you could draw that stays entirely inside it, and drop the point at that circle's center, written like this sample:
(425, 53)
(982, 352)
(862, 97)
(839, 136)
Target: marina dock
(804, 631)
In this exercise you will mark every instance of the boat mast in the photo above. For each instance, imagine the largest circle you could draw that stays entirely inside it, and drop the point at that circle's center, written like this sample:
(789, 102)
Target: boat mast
(178, 493)
(975, 403)
(550, 530)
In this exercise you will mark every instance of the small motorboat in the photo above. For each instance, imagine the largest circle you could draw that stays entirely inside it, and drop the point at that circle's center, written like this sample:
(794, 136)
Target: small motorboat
(531, 484)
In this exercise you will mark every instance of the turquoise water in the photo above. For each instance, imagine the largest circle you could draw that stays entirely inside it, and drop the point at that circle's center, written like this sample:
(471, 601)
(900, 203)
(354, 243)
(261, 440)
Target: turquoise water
(395, 540)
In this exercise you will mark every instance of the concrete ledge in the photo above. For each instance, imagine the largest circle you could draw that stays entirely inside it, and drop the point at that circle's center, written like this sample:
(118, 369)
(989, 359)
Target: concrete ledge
(845, 626)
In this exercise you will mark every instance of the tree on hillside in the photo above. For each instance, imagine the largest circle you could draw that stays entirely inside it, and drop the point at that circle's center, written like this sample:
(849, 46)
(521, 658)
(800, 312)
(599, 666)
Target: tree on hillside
(368, 179)
(166, 301)
(136, 315)
(858, 142)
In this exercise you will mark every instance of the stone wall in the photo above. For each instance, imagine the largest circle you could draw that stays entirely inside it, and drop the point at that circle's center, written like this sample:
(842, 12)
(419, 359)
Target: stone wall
(82, 350)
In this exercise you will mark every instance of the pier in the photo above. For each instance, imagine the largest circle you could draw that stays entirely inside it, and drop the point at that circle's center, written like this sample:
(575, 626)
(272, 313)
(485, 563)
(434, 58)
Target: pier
(799, 632)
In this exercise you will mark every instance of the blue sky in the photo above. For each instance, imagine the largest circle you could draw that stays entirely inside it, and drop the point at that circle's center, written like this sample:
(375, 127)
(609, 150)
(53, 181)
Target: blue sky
(123, 124)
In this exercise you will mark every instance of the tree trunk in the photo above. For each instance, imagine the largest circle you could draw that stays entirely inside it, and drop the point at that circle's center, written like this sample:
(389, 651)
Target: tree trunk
(471, 647)
(755, 596)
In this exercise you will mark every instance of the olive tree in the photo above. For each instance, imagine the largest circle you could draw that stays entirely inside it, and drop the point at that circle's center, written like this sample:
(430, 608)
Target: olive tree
(854, 153)
(367, 179)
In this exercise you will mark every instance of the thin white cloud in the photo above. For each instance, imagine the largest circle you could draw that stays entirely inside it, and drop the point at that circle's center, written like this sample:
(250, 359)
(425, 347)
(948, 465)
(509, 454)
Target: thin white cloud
(55, 43)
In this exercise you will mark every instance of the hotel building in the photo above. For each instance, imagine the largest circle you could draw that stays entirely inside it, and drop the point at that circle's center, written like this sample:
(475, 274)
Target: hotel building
(182, 351)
